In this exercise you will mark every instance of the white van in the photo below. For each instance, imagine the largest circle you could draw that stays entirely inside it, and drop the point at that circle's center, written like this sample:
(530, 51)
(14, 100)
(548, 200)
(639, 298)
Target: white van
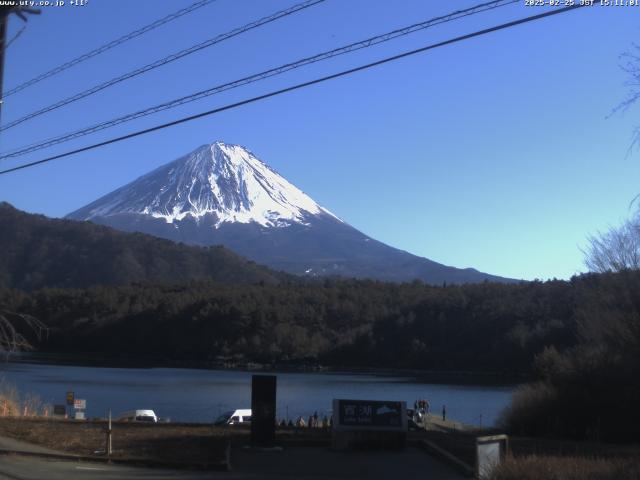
(235, 417)
(138, 416)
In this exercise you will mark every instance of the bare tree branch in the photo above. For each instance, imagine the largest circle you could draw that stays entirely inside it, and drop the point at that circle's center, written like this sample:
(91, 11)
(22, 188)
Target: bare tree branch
(630, 64)
(616, 249)
(12, 328)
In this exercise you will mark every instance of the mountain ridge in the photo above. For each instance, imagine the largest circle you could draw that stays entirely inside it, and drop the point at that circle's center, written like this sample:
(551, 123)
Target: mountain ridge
(41, 252)
(223, 194)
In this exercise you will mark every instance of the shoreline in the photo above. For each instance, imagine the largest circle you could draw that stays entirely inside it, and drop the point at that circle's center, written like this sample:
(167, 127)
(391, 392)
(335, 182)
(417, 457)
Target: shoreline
(455, 377)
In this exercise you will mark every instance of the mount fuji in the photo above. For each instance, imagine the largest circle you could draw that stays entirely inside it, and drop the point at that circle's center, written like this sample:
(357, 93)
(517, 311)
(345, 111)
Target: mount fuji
(222, 194)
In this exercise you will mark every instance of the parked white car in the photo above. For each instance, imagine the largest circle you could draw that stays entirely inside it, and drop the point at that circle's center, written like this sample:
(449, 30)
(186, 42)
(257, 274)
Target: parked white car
(235, 417)
(138, 416)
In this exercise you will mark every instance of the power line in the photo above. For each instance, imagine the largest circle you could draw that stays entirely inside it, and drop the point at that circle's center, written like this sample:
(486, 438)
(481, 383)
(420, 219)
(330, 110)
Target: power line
(163, 61)
(369, 42)
(108, 46)
(298, 86)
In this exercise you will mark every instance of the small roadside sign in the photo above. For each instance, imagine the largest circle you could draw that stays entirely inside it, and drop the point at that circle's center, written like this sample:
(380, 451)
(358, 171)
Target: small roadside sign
(59, 410)
(70, 398)
(80, 404)
(80, 415)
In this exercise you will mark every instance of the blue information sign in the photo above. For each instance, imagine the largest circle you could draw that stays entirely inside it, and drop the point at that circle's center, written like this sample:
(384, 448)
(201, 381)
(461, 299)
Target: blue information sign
(370, 413)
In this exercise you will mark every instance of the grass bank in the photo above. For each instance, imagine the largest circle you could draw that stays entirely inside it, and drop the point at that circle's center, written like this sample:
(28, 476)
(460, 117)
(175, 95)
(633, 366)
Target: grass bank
(194, 443)
(535, 467)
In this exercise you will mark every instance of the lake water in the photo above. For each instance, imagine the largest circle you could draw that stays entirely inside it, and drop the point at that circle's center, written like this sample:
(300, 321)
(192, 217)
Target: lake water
(192, 395)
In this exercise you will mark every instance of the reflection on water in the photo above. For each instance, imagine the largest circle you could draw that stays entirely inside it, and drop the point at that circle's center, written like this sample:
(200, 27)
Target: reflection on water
(200, 395)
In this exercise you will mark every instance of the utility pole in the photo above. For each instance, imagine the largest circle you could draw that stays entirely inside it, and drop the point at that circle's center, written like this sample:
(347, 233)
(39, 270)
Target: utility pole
(109, 434)
(5, 10)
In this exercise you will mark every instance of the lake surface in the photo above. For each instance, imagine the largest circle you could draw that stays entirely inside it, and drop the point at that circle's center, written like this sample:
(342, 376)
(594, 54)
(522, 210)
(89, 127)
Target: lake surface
(191, 395)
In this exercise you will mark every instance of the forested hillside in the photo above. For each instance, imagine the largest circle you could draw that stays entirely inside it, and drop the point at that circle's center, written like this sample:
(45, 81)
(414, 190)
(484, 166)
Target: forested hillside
(36, 252)
(482, 327)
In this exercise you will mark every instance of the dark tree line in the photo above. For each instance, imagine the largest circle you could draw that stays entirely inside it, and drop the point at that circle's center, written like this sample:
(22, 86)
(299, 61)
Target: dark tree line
(479, 327)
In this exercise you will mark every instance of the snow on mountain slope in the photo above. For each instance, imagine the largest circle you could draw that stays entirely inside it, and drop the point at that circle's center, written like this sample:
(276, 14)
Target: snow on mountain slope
(223, 180)
(221, 194)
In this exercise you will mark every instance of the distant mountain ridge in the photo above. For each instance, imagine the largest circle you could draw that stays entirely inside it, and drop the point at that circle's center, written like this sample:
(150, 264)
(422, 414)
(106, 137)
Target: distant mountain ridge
(42, 252)
(223, 194)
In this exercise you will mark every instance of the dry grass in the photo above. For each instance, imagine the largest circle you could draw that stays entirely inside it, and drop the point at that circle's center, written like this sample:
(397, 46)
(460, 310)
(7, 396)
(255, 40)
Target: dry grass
(9, 400)
(165, 442)
(535, 467)
(12, 404)
(556, 447)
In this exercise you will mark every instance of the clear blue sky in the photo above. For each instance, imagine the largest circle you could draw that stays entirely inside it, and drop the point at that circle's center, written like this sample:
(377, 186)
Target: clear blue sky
(493, 153)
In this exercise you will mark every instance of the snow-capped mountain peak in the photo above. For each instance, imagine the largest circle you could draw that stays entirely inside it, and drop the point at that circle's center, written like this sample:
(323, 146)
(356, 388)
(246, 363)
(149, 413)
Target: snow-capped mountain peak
(222, 194)
(225, 181)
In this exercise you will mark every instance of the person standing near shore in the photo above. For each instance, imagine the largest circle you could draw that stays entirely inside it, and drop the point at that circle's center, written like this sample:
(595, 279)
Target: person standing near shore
(444, 413)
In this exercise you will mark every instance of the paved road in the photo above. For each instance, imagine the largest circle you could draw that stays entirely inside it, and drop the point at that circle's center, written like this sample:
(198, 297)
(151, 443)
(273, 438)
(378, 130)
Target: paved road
(292, 463)
(7, 443)
(321, 464)
(32, 468)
